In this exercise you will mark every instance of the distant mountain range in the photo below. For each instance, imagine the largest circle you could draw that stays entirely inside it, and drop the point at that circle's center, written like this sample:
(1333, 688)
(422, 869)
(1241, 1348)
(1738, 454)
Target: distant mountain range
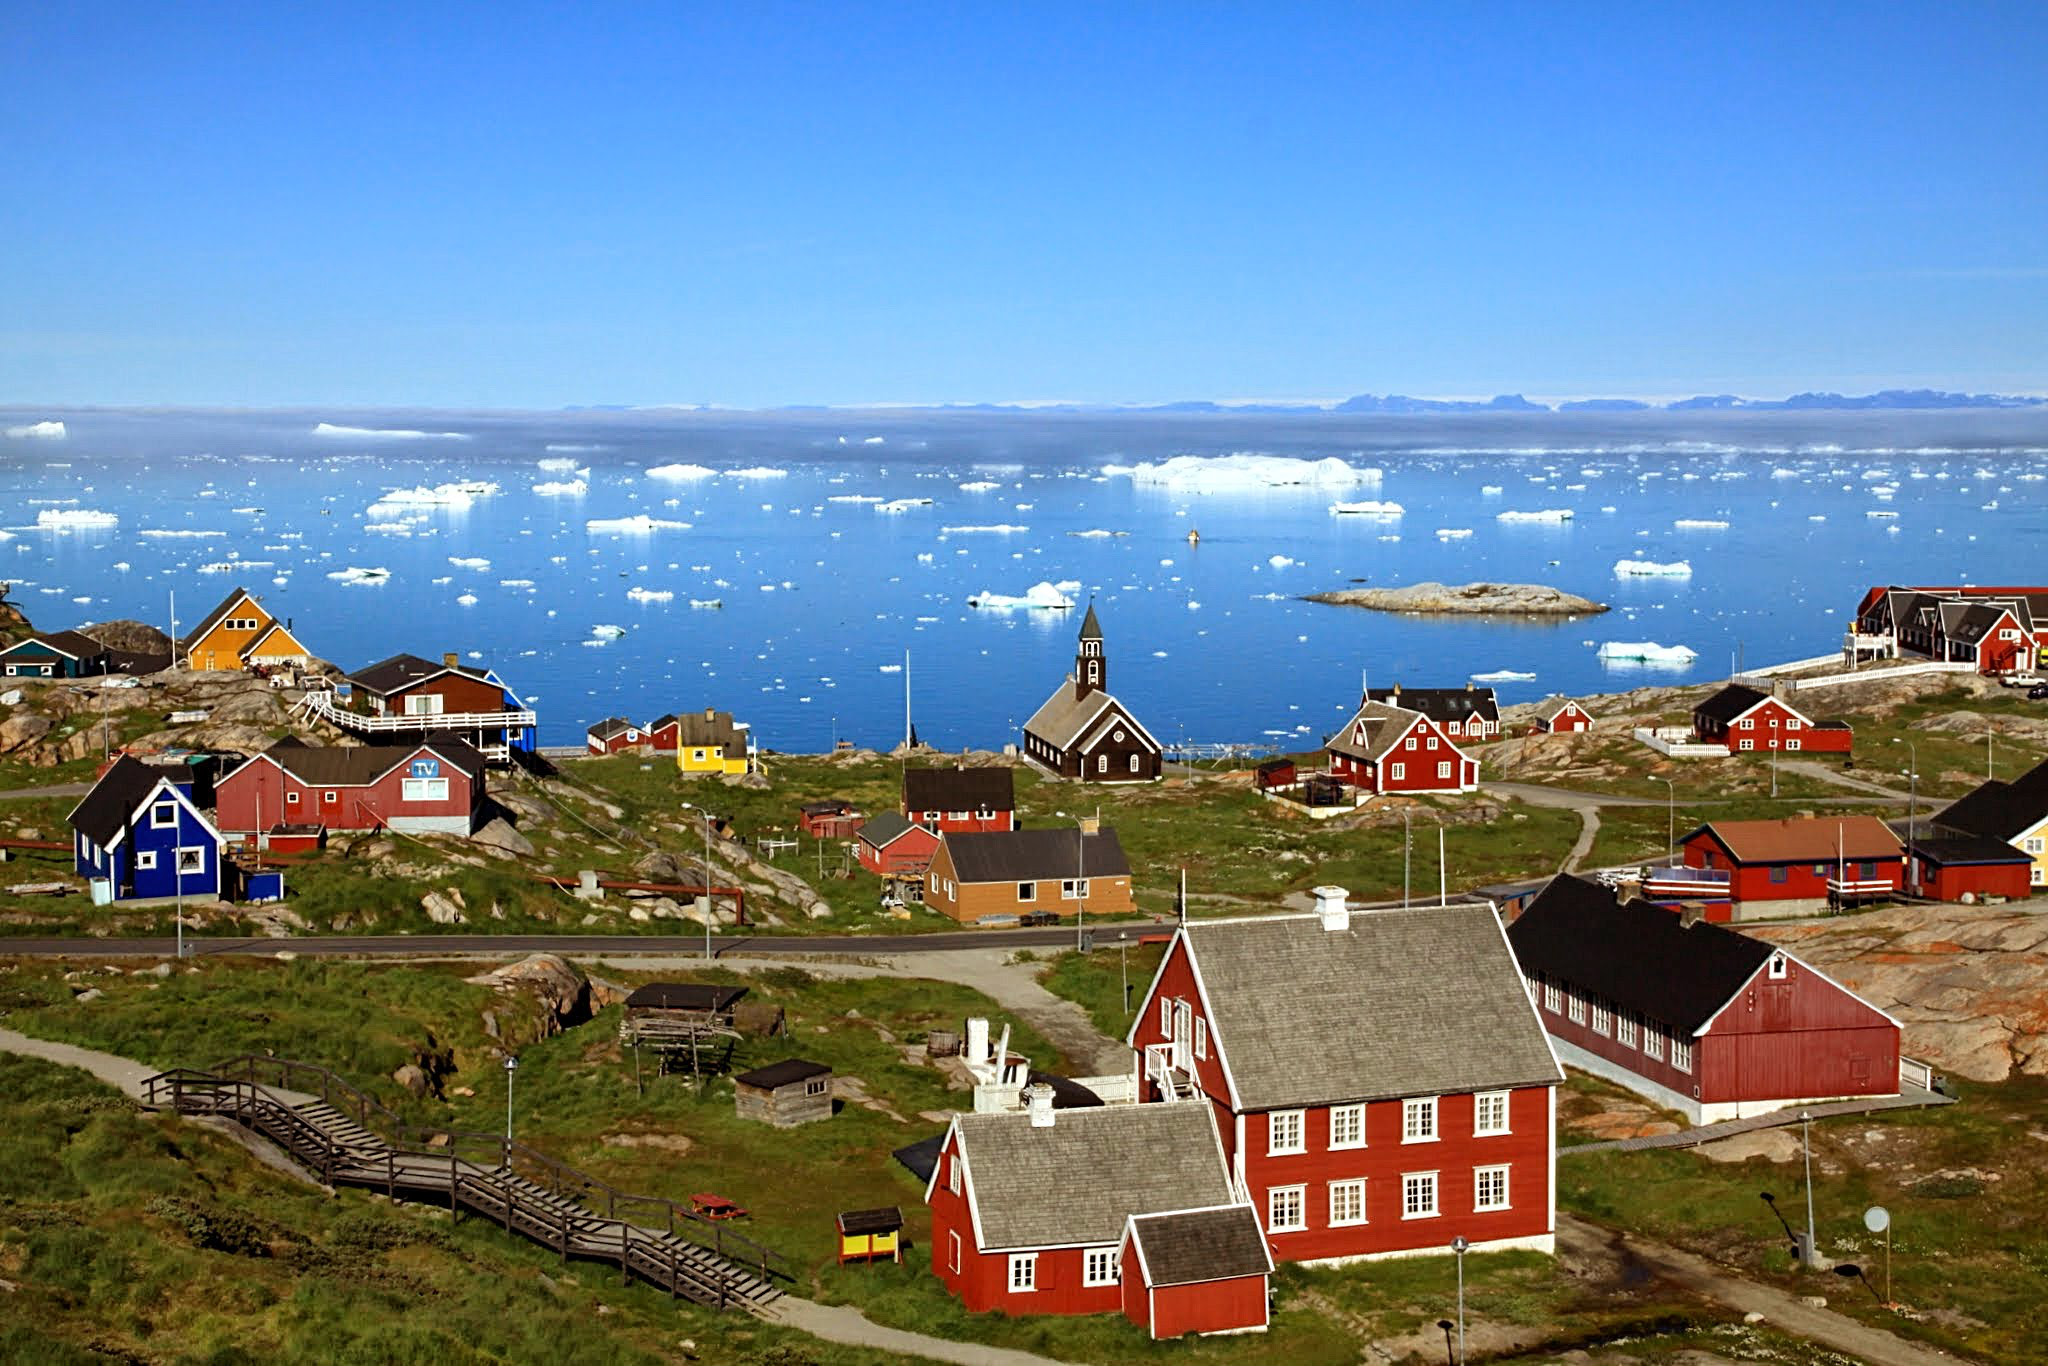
(1403, 405)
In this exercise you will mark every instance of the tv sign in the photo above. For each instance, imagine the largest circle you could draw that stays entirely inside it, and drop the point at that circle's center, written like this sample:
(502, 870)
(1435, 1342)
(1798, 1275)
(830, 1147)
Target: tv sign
(426, 768)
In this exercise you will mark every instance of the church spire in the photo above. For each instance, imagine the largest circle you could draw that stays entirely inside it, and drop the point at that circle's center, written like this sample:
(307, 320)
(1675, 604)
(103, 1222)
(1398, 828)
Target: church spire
(1091, 670)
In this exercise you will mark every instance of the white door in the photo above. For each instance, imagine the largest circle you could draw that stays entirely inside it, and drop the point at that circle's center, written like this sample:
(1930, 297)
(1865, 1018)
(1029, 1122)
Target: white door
(1183, 1036)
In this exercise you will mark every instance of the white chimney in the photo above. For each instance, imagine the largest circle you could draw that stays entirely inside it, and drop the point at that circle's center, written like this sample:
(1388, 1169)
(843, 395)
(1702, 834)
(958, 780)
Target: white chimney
(977, 1039)
(1331, 908)
(1038, 1100)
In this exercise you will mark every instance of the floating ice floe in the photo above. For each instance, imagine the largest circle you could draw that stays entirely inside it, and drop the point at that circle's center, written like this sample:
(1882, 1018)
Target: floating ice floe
(38, 431)
(605, 631)
(707, 603)
(467, 600)
(1504, 676)
(759, 472)
(1541, 515)
(979, 486)
(1453, 533)
(469, 562)
(1050, 596)
(384, 433)
(680, 472)
(558, 464)
(853, 498)
(561, 488)
(1367, 508)
(440, 495)
(903, 504)
(638, 594)
(1278, 561)
(1647, 652)
(353, 574)
(890, 668)
(995, 529)
(515, 583)
(165, 534)
(1677, 569)
(1700, 524)
(1491, 490)
(639, 524)
(1244, 470)
(64, 519)
(1097, 534)
(1880, 514)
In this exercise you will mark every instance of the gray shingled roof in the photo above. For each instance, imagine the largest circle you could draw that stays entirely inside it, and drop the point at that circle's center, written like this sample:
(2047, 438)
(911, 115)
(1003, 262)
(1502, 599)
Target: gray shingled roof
(1420, 1002)
(1062, 717)
(361, 765)
(1191, 1246)
(1384, 723)
(1075, 1183)
(1034, 855)
(105, 810)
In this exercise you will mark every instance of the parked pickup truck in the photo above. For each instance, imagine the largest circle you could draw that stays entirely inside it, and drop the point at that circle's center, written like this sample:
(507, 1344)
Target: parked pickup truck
(2022, 680)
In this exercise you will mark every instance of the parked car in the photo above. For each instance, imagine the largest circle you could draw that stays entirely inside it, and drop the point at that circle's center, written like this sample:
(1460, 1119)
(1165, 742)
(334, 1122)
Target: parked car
(2022, 680)
(1038, 918)
(2037, 692)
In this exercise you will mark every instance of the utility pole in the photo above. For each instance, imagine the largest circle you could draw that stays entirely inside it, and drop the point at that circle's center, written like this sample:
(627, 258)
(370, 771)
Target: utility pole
(1806, 1135)
(1407, 847)
(1443, 869)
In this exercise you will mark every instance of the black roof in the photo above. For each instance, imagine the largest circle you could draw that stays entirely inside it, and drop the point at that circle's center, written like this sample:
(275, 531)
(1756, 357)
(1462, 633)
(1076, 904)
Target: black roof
(1091, 629)
(69, 643)
(402, 671)
(1640, 957)
(921, 1158)
(1033, 855)
(831, 806)
(1442, 704)
(113, 799)
(883, 829)
(1067, 1094)
(2000, 810)
(612, 725)
(1948, 851)
(887, 1219)
(959, 789)
(714, 997)
(1730, 702)
(780, 1074)
(1191, 1246)
(361, 765)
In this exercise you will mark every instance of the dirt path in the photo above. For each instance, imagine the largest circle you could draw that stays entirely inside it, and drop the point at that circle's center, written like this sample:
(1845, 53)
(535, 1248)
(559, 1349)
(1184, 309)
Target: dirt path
(1589, 830)
(1835, 777)
(52, 790)
(1868, 1345)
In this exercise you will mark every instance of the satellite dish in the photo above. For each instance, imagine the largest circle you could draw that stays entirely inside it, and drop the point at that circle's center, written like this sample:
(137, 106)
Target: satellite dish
(1459, 1244)
(1877, 1219)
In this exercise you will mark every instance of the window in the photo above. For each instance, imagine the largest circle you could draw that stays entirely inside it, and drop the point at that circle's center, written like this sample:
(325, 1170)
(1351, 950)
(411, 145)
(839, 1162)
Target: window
(1347, 1202)
(1791, 744)
(1625, 1028)
(953, 1174)
(1457, 727)
(191, 861)
(955, 1241)
(1023, 1271)
(1489, 1188)
(163, 815)
(1027, 891)
(1432, 742)
(1074, 890)
(1745, 724)
(1777, 967)
(291, 799)
(1165, 1016)
(420, 790)
(1553, 997)
(1396, 772)
(956, 815)
(1347, 1126)
(697, 755)
(1418, 1120)
(1866, 870)
(1681, 1054)
(1535, 987)
(1575, 1007)
(1603, 1018)
(1443, 770)
(817, 1086)
(1283, 1132)
(1746, 744)
(1118, 737)
(1780, 873)
(429, 704)
(1490, 1113)
(1792, 723)
(1099, 1266)
(1418, 1195)
(2034, 844)
(145, 860)
(1410, 743)
(1653, 1042)
(1102, 763)
(1134, 763)
(1201, 1037)
(331, 798)
(1285, 1210)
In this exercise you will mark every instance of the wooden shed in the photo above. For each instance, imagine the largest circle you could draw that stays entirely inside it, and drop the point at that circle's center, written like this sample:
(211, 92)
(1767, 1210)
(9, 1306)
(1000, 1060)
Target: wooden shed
(785, 1093)
(689, 1025)
(1275, 773)
(869, 1235)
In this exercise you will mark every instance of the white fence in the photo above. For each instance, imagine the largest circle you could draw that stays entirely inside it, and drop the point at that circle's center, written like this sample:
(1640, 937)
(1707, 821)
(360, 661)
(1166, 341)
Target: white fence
(1932, 666)
(1766, 670)
(1676, 742)
(1913, 1072)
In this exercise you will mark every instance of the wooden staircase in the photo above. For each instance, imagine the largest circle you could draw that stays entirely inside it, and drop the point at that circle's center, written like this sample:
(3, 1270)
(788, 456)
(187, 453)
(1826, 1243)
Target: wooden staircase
(525, 1191)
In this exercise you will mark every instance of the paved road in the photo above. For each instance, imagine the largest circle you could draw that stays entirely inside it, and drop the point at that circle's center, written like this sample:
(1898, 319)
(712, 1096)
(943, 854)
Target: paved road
(52, 790)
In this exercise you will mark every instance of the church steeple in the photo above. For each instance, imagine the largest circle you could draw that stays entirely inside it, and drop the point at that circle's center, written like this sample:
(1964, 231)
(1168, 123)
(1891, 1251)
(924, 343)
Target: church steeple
(1091, 670)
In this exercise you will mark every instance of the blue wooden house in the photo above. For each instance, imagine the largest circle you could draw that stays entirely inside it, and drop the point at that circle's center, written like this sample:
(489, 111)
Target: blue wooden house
(54, 654)
(140, 831)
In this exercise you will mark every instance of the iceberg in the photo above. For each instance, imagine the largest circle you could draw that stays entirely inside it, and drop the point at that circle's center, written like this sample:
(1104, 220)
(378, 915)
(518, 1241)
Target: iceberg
(466, 600)
(1881, 514)
(38, 431)
(468, 562)
(640, 524)
(903, 504)
(758, 472)
(1504, 676)
(384, 433)
(979, 486)
(440, 495)
(561, 488)
(853, 498)
(1244, 470)
(160, 534)
(1368, 508)
(680, 472)
(1647, 652)
(1700, 524)
(63, 519)
(1453, 533)
(1047, 596)
(1677, 569)
(604, 631)
(1097, 534)
(558, 464)
(996, 529)
(352, 574)
(637, 594)
(1279, 561)
(708, 603)
(1544, 515)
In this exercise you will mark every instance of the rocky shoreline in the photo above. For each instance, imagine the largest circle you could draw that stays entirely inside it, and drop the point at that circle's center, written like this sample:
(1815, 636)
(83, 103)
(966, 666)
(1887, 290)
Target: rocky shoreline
(1466, 599)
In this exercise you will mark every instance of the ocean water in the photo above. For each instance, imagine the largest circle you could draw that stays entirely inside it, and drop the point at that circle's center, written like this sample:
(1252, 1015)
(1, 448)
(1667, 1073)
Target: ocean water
(822, 592)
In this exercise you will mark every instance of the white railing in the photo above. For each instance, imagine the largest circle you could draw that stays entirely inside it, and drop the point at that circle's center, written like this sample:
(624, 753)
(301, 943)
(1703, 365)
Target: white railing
(320, 704)
(1932, 666)
(1676, 742)
(1849, 886)
(1766, 670)
(1913, 1072)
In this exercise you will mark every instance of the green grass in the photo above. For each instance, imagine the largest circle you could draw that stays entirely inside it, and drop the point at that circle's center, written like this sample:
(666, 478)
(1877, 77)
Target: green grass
(1096, 982)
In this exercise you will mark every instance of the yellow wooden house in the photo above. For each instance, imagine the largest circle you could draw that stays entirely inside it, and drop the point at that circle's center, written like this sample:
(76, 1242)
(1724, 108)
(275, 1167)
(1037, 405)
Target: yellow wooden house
(240, 634)
(705, 741)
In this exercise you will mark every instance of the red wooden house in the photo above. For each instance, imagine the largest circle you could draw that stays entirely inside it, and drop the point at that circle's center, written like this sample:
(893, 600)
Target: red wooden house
(1379, 1078)
(889, 846)
(1999, 629)
(1563, 717)
(1699, 1018)
(1746, 720)
(1467, 713)
(1967, 868)
(1196, 1271)
(413, 697)
(960, 798)
(1030, 1209)
(615, 735)
(432, 788)
(830, 819)
(1389, 749)
(1809, 859)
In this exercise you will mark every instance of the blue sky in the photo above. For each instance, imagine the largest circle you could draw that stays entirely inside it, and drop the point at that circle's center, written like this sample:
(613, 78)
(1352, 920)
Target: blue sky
(498, 205)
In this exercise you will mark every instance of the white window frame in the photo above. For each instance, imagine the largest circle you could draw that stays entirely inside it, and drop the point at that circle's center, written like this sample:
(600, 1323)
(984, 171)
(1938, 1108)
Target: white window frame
(1625, 1028)
(1102, 763)
(1419, 1120)
(424, 704)
(291, 799)
(1166, 1016)
(423, 789)
(1779, 967)
(1681, 1054)
(1286, 1133)
(1347, 1126)
(1414, 1183)
(1791, 723)
(1603, 1018)
(1072, 889)
(1553, 997)
(145, 860)
(1575, 1007)
(1098, 1266)
(1347, 1202)
(1396, 772)
(163, 815)
(1027, 891)
(1443, 770)
(1134, 763)
(1201, 1038)
(954, 1236)
(953, 1175)
(1653, 1042)
(1023, 1272)
(1481, 1178)
(195, 855)
(1409, 743)
(1486, 1101)
(1289, 1202)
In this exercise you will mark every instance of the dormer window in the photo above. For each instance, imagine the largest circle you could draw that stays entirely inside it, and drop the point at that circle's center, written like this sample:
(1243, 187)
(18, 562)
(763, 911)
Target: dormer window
(1778, 969)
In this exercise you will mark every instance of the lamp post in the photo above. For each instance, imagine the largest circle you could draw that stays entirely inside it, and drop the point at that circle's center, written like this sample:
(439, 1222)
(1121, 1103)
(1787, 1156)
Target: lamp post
(705, 816)
(511, 1067)
(1806, 1138)
(1879, 1220)
(1460, 1247)
(1670, 818)
(178, 884)
(1407, 847)
(1912, 811)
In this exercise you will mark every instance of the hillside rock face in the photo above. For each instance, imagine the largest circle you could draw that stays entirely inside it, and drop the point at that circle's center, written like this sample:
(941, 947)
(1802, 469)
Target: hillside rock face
(1466, 599)
(1968, 983)
(136, 637)
(13, 625)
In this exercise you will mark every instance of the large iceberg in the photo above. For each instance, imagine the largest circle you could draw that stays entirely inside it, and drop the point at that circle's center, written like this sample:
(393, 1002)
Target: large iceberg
(38, 431)
(637, 525)
(680, 472)
(1647, 652)
(63, 519)
(1050, 596)
(1543, 515)
(1677, 569)
(1367, 508)
(1243, 471)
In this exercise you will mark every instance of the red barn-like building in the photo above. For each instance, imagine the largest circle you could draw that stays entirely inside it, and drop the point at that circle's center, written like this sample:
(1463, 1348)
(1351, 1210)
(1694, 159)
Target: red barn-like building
(1747, 721)
(1802, 859)
(1968, 868)
(1563, 718)
(1999, 629)
(1380, 1079)
(967, 800)
(1388, 749)
(615, 735)
(1697, 1017)
(889, 846)
(434, 788)
(1196, 1271)
(1030, 1210)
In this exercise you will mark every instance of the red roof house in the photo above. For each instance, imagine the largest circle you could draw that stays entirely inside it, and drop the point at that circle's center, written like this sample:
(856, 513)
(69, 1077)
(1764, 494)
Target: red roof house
(1817, 861)
(1195, 1271)
(432, 788)
(889, 846)
(615, 735)
(965, 799)
(1388, 749)
(1563, 716)
(1698, 1017)
(1746, 721)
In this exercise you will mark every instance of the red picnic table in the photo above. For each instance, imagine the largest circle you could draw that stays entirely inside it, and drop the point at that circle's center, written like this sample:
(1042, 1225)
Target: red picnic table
(715, 1207)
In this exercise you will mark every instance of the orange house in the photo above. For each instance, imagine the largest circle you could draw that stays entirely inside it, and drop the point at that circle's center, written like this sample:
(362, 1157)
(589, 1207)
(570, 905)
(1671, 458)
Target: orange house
(240, 634)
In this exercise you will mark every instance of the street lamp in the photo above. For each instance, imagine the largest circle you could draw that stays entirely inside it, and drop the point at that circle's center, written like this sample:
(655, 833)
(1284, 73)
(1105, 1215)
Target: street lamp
(1080, 877)
(511, 1066)
(1460, 1246)
(1913, 810)
(1407, 847)
(1670, 817)
(1806, 1137)
(705, 816)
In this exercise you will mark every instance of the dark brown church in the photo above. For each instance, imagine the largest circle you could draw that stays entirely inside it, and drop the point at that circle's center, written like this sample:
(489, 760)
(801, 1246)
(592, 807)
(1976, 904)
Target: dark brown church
(1083, 732)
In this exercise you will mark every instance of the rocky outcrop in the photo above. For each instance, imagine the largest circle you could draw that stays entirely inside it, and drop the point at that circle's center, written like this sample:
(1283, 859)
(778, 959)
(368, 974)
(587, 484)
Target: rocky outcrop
(560, 989)
(1466, 599)
(500, 835)
(13, 624)
(132, 637)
